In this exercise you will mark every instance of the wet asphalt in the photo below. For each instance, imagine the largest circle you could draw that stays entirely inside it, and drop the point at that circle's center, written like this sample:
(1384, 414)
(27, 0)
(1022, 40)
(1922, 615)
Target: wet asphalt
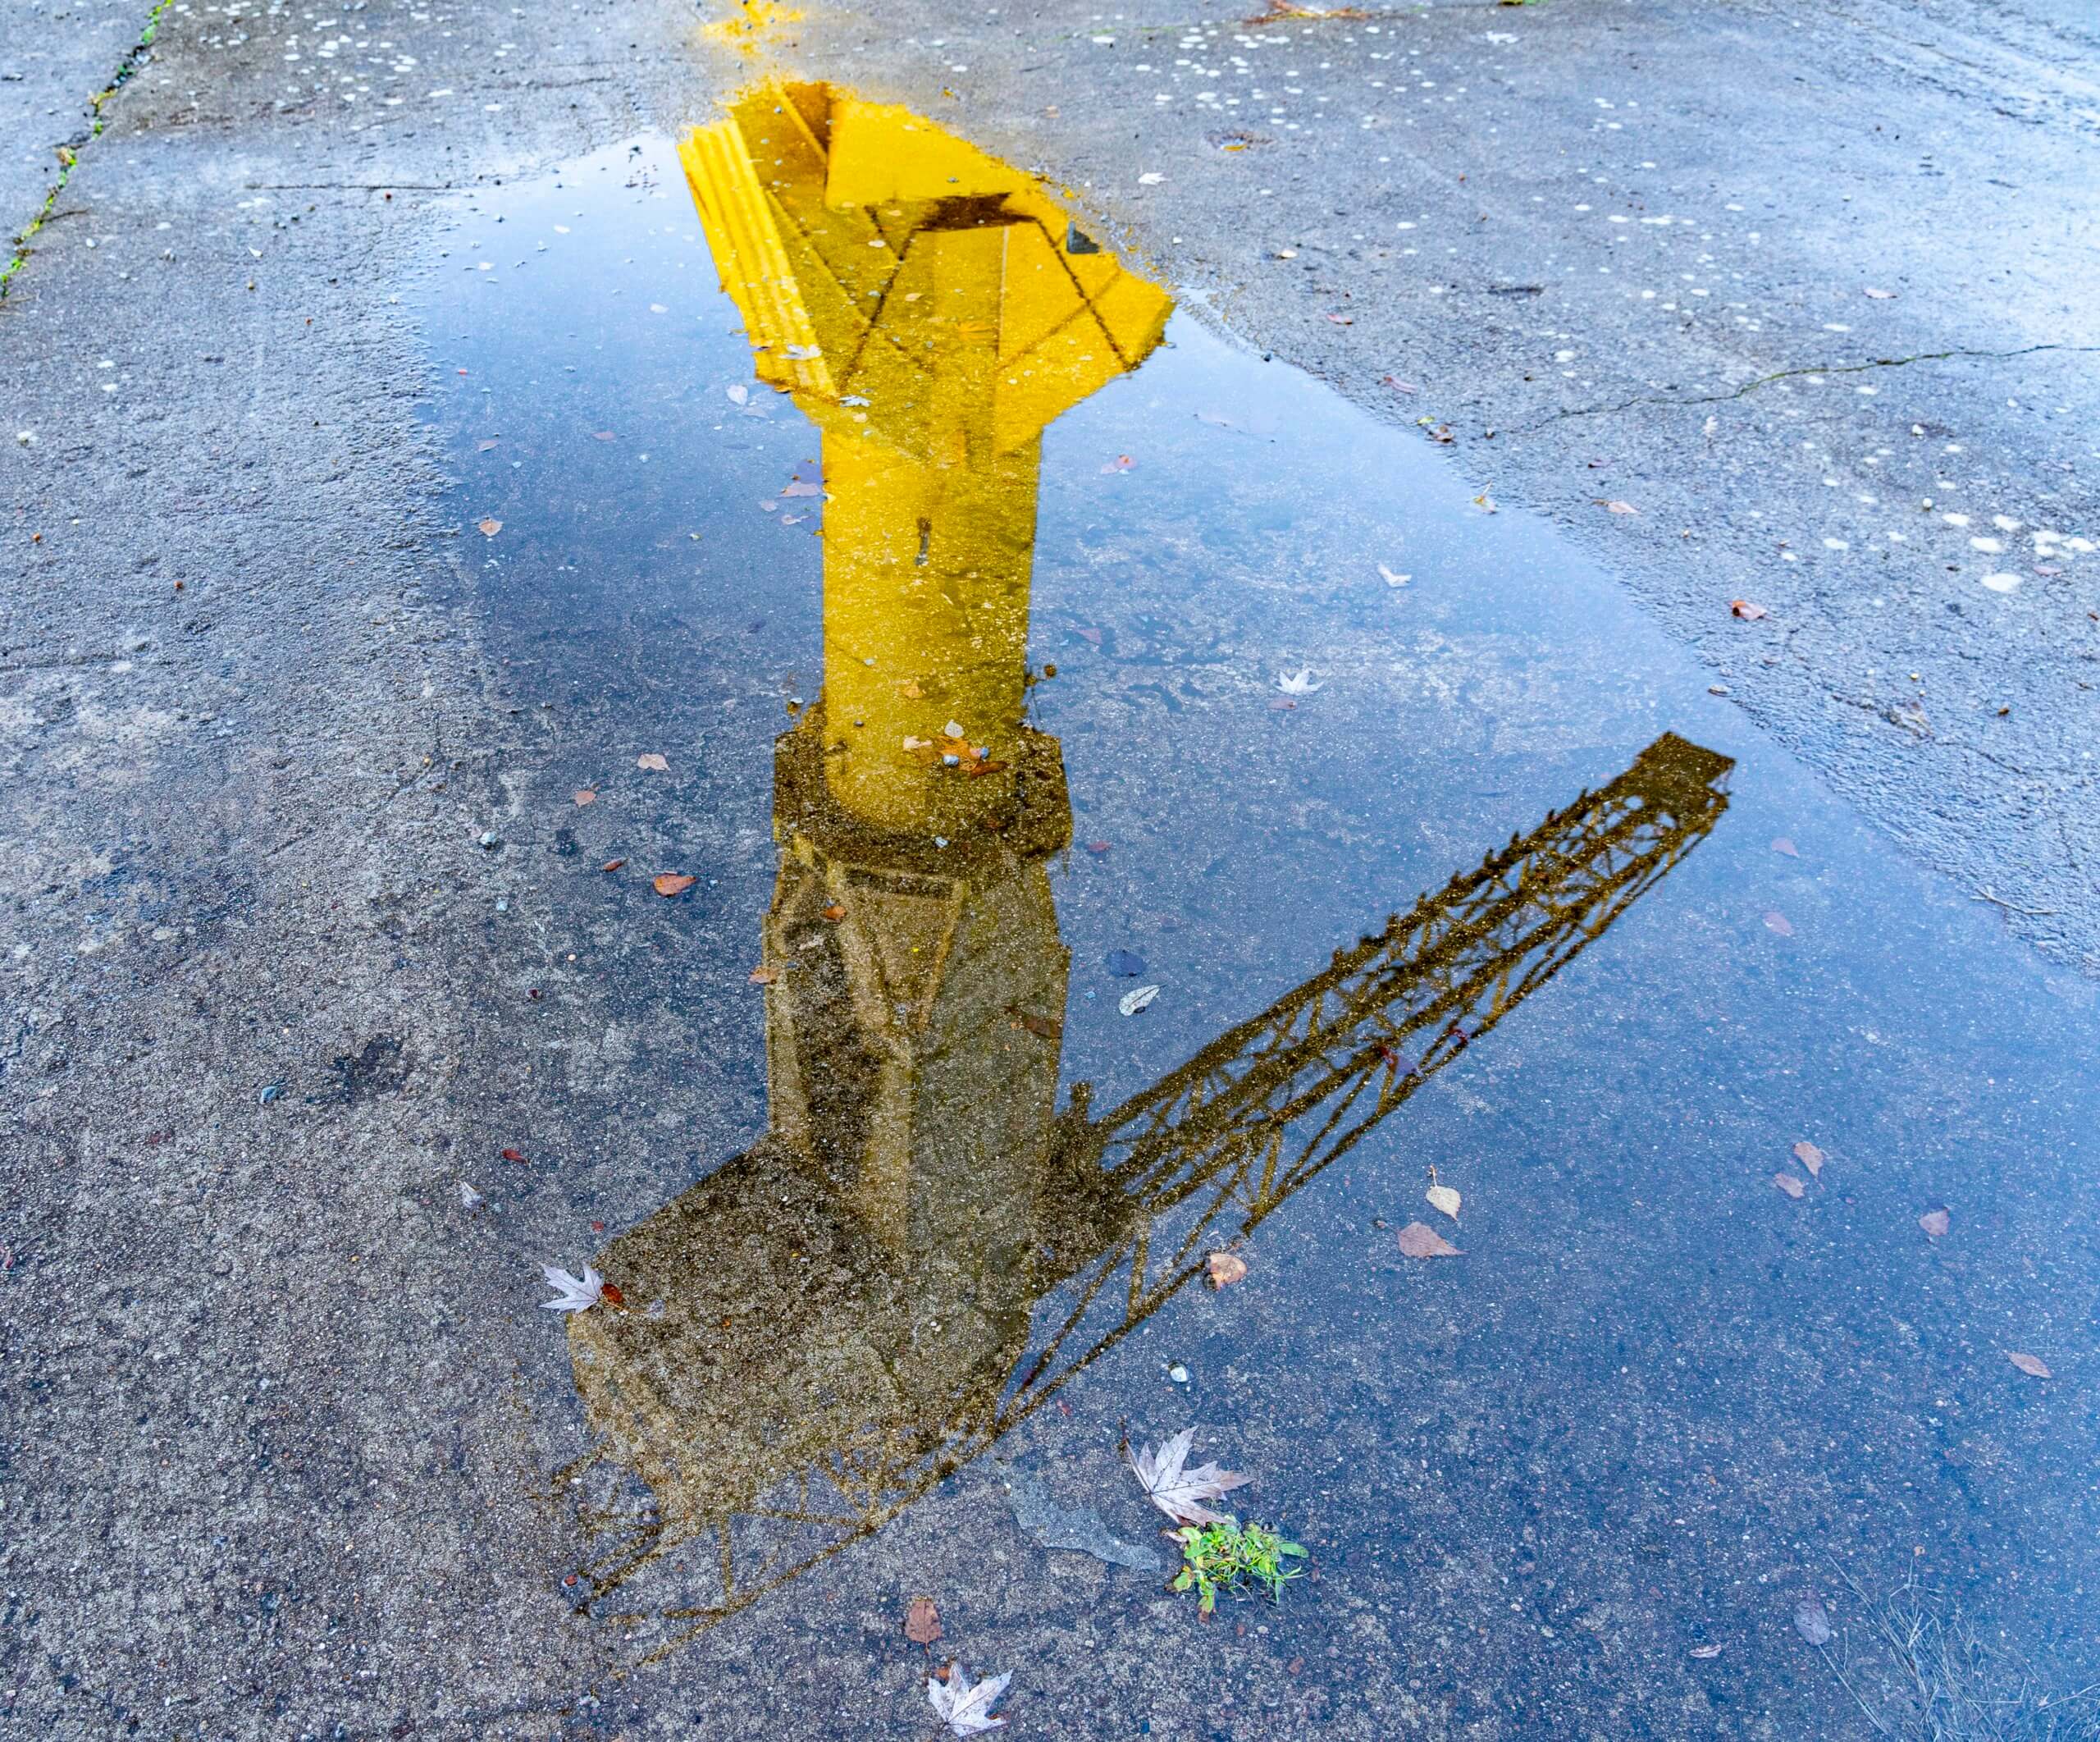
(283, 1415)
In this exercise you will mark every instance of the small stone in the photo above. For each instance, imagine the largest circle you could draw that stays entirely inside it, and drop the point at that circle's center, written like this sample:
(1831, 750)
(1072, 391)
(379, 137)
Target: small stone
(503, 905)
(490, 839)
(271, 1092)
(1178, 1373)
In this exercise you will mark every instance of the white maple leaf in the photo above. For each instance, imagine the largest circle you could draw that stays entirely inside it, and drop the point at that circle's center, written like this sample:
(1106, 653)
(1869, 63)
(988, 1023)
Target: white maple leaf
(1301, 685)
(966, 1710)
(578, 1294)
(1180, 1493)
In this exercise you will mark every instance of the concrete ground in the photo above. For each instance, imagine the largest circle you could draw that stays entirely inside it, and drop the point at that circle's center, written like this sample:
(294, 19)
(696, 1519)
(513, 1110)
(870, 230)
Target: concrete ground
(251, 735)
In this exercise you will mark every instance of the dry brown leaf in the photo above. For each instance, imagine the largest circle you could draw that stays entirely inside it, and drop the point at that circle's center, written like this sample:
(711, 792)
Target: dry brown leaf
(1418, 1240)
(1744, 609)
(513, 1154)
(653, 762)
(922, 1621)
(584, 795)
(483, 447)
(1810, 1157)
(1225, 1268)
(1780, 923)
(612, 865)
(1788, 1184)
(2033, 1365)
(1782, 844)
(1936, 1222)
(834, 913)
(672, 883)
(1616, 507)
(1444, 1198)
(1042, 1027)
(762, 976)
(490, 527)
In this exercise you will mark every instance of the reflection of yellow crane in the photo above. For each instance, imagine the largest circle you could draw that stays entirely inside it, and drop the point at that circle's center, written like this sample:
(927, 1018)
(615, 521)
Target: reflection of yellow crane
(921, 1251)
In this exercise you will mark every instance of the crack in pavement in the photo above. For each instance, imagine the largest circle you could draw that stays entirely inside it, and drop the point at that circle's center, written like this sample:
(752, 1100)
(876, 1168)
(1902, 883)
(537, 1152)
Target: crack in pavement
(69, 150)
(1766, 381)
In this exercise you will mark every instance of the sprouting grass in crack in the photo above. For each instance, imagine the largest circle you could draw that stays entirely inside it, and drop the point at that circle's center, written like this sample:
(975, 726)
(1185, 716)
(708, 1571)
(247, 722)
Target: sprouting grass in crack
(1226, 1556)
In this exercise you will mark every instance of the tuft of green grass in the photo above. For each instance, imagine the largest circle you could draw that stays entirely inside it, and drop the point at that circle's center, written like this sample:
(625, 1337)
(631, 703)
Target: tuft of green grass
(1229, 1556)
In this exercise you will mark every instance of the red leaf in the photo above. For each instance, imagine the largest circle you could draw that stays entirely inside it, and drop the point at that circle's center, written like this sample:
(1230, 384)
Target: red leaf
(513, 1154)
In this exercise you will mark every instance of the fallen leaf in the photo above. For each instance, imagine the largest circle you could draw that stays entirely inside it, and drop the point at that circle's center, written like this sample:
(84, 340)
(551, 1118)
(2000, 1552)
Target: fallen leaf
(1812, 1622)
(513, 1154)
(1398, 386)
(1042, 1027)
(1343, 320)
(1936, 1222)
(2033, 1365)
(803, 487)
(1744, 609)
(1441, 434)
(672, 883)
(1617, 507)
(613, 1296)
(737, 394)
(1225, 1268)
(1779, 923)
(653, 761)
(1788, 1184)
(1881, 296)
(762, 976)
(922, 1621)
(1098, 847)
(1299, 683)
(469, 1199)
(483, 447)
(612, 865)
(1418, 1240)
(602, 435)
(1120, 463)
(1177, 1492)
(1782, 844)
(1444, 1198)
(1485, 503)
(584, 795)
(1131, 1003)
(835, 912)
(1703, 1652)
(966, 1710)
(1810, 1157)
(578, 1294)
(1391, 578)
(490, 527)
(910, 689)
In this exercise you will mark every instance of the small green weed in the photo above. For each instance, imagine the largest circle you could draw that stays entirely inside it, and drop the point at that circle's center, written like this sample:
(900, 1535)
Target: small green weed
(1229, 1556)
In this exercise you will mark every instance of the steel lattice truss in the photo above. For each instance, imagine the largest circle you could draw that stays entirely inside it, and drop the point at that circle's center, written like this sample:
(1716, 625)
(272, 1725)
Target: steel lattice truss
(1202, 1156)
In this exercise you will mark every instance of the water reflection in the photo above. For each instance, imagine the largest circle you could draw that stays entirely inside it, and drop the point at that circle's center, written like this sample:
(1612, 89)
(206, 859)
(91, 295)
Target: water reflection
(922, 1248)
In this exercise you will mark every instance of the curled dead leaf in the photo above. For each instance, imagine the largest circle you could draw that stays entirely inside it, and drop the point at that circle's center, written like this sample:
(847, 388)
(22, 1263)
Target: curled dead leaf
(922, 1621)
(1225, 1268)
(1810, 1157)
(1788, 1184)
(653, 762)
(762, 976)
(834, 913)
(1744, 609)
(1418, 1240)
(672, 883)
(612, 865)
(2033, 1365)
(1936, 1222)
(609, 1292)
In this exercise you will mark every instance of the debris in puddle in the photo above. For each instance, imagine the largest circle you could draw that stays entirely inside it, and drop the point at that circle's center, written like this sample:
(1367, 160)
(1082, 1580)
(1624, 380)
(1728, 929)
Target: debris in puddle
(802, 487)
(1782, 844)
(1788, 1183)
(655, 762)
(2033, 1365)
(578, 1294)
(738, 393)
(513, 1154)
(1178, 1373)
(1705, 1652)
(1812, 1622)
(612, 865)
(1444, 1198)
(490, 527)
(1778, 922)
(672, 883)
(1079, 1530)
(762, 976)
(1810, 1157)
(1299, 683)
(1132, 1002)
(1616, 506)
(1485, 503)
(1744, 609)
(1176, 1490)
(1419, 1239)
(1124, 962)
(470, 1199)
(584, 795)
(1393, 578)
(1936, 1222)
(922, 1621)
(1225, 1268)
(964, 1709)
(1120, 463)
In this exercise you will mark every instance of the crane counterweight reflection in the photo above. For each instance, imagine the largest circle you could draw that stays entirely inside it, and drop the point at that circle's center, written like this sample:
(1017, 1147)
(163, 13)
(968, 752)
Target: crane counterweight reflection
(922, 1249)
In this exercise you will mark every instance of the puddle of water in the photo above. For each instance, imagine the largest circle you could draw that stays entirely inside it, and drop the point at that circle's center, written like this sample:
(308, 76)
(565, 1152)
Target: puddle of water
(966, 591)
